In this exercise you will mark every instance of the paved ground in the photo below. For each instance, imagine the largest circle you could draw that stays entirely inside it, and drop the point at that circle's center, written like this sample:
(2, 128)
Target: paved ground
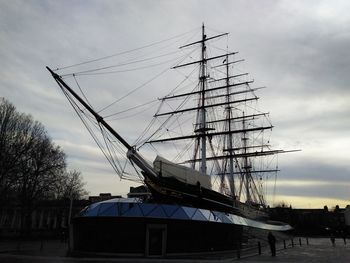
(318, 250)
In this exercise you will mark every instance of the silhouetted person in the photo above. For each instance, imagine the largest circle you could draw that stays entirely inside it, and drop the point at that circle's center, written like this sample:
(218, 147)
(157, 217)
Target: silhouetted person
(344, 237)
(333, 240)
(64, 235)
(272, 242)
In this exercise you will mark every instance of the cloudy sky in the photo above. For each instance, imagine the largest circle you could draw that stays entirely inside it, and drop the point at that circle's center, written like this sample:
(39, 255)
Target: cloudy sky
(298, 49)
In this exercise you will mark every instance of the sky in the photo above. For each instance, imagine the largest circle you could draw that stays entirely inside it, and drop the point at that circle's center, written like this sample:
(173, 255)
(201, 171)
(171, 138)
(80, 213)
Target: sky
(298, 49)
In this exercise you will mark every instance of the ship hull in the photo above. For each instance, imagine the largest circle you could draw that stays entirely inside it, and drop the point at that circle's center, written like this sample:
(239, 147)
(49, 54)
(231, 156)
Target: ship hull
(170, 190)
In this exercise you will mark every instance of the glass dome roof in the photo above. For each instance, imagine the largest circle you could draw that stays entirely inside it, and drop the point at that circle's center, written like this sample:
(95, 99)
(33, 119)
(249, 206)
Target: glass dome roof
(133, 207)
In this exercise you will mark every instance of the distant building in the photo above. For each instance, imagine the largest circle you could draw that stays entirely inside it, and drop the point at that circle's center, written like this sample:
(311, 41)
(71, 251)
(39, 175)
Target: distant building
(48, 218)
(314, 222)
(139, 192)
(347, 215)
(103, 197)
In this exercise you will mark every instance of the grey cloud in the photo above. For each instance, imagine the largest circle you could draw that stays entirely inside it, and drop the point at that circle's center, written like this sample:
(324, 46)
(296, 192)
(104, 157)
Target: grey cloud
(323, 191)
(298, 49)
(316, 171)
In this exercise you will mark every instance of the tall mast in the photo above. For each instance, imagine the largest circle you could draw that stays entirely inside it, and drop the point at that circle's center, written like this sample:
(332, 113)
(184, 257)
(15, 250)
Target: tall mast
(246, 167)
(202, 111)
(228, 115)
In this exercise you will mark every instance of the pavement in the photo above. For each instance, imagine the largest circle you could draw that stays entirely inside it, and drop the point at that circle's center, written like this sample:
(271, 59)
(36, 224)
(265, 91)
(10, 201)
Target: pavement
(318, 250)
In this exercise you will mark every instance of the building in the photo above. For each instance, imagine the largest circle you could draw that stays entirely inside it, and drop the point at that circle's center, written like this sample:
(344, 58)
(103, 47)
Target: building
(314, 222)
(130, 227)
(139, 192)
(48, 218)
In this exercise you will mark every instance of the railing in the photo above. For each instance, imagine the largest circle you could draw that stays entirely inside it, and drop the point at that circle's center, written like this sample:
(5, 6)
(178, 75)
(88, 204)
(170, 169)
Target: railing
(255, 246)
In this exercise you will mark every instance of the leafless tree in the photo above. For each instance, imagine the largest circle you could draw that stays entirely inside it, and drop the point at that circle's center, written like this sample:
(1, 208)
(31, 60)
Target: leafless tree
(14, 145)
(31, 165)
(71, 186)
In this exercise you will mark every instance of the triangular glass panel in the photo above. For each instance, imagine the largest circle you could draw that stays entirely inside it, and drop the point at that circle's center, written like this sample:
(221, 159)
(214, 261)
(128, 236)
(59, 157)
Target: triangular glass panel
(207, 214)
(198, 216)
(158, 212)
(217, 216)
(147, 208)
(180, 214)
(134, 211)
(170, 209)
(107, 208)
(123, 207)
(189, 211)
(109, 211)
(92, 210)
(226, 219)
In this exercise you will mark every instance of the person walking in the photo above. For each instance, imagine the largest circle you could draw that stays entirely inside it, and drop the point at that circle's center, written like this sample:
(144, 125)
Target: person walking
(272, 242)
(343, 234)
(333, 239)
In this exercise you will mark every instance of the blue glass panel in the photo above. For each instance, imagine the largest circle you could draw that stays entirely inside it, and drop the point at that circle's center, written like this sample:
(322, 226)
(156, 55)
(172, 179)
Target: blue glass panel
(207, 214)
(84, 211)
(110, 210)
(217, 216)
(92, 210)
(134, 211)
(147, 208)
(180, 214)
(158, 212)
(198, 216)
(223, 218)
(170, 209)
(189, 211)
(103, 207)
(123, 207)
(226, 219)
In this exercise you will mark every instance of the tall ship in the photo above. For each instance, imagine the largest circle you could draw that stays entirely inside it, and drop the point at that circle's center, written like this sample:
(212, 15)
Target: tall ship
(219, 139)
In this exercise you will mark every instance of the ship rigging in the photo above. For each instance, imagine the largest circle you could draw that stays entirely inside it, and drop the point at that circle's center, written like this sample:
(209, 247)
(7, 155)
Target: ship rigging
(218, 162)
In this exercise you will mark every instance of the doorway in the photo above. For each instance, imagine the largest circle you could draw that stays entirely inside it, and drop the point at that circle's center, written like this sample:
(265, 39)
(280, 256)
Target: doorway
(156, 240)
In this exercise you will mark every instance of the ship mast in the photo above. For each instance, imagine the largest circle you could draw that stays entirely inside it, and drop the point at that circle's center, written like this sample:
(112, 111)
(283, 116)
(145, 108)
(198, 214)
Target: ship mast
(216, 94)
(201, 129)
(202, 111)
(246, 166)
(228, 115)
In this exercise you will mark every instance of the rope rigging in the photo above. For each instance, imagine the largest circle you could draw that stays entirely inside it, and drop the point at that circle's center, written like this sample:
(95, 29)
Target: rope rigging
(125, 52)
(93, 71)
(178, 123)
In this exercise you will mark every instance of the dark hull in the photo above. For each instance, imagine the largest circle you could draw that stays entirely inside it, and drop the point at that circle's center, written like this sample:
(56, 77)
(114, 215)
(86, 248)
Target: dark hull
(170, 190)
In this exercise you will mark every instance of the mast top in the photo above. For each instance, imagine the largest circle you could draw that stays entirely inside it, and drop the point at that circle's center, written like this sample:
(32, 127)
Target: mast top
(204, 38)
